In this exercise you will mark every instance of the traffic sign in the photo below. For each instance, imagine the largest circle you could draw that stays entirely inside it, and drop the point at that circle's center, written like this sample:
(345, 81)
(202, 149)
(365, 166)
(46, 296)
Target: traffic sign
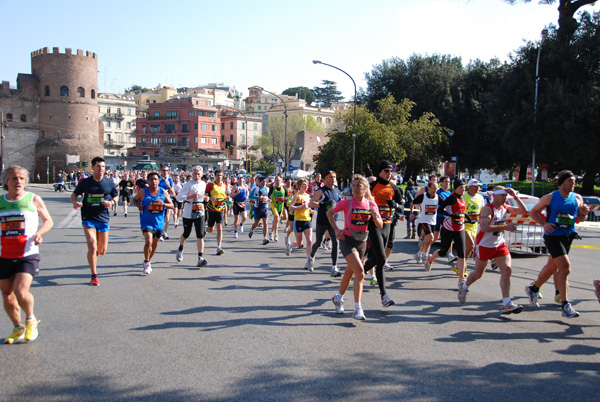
(290, 168)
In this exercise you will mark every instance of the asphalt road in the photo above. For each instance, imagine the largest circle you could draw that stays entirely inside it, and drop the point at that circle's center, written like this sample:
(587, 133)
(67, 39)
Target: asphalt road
(255, 326)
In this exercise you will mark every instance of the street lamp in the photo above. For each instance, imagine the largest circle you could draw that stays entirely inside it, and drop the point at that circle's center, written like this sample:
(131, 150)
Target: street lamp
(285, 113)
(535, 102)
(354, 128)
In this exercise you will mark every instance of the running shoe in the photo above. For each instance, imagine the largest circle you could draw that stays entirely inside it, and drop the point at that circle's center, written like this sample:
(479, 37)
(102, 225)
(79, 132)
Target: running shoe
(147, 268)
(494, 265)
(250, 233)
(166, 236)
(539, 294)
(179, 257)
(557, 298)
(276, 237)
(533, 298)
(462, 291)
(235, 235)
(201, 262)
(270, 236)
(126, 217)
(176, 223)
(335, 272)
(373, 281)
(418, 258)
(265, 241)
(241, 228)
(115, 214)
(452, 257)
(428, 262)
(568, 311)
(455, 269)
(338, 302)
(220, 251)
(94, 281)
(359, 314)
(419, 242)
(310, 264)
(31, 330)
(17, 335)
(225, 224)
(288, 249)
(327, 244)
(597, 289)
(511, 308)
(387, 267)
(386, 301)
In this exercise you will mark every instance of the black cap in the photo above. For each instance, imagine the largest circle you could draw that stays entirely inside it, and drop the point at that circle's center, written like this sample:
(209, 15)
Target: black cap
(458, 183)
(385, 165)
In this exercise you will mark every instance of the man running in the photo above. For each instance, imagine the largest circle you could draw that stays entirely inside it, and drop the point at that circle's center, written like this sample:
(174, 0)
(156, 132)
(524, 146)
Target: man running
(563, 207)
(178, 206)
(325, 198)
(260, 196)
(277, 196)
(192, 194)
(126, 189)
(152, 202)
(490, 243)
(429, 202)
(473, 204)
(167, 184)
(239, 193)
(97, 192)
(217, 193)
(20, 238)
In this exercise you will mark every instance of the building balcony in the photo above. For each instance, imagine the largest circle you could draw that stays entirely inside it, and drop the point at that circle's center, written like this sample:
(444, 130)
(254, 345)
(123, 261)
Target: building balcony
(114, 116)
(162, 117)
(113, 144)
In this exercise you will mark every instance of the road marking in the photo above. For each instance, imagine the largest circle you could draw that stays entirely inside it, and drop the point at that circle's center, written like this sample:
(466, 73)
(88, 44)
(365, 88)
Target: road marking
(585, 246)
(68, 219)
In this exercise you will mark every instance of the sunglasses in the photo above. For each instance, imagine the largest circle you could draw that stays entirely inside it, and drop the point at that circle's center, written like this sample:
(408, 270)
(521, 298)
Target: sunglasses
(388, 170)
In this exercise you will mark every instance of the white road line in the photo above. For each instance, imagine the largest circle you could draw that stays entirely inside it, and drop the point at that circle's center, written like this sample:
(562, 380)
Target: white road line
(68, 220)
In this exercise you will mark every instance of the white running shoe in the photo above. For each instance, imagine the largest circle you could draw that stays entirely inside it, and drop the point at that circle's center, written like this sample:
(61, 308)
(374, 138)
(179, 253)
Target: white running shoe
(201, 262)
(359, 314)
(276, 237)
(288, 249)
(335, 272)
(428, 263)
(387, 267)
(338, 302)
(270, 236)
(462, 291)
(235, 235)
(147, 268)
(386, 301)
(241, 228)
(418, 258)
(179, 257)
(310, 264)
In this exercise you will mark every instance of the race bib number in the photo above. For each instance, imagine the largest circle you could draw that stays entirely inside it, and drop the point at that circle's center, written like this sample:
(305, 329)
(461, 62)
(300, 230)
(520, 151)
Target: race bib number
(263, 198)
(460, 220)
(386, 213)
(241, 204)
(564, 221)
(12, 225)
(219, 202)
(197, 210)
(430, 210)
(279, 200)
(499, 223)
(95, 200)
(155, 207)
(474, 217)
(360, 216)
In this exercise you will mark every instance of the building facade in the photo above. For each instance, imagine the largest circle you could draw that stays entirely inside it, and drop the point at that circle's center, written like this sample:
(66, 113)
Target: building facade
(118, 116)
(239, 137)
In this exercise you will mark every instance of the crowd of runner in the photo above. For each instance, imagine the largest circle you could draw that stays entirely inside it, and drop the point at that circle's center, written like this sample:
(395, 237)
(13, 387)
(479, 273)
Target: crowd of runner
(463, 221)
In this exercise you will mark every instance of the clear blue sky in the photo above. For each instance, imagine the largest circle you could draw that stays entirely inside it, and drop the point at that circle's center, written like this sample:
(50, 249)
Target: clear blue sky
(266, 43)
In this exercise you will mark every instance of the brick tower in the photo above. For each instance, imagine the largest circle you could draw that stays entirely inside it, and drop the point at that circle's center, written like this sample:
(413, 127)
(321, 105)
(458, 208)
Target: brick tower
(68, 108)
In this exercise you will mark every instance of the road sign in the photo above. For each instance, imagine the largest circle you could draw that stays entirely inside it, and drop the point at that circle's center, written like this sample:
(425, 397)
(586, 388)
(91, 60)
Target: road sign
(290, 168)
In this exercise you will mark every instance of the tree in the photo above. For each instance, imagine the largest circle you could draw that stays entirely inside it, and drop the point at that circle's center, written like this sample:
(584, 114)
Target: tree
(566, 15)
(327, 94)
(303, 93)
(276, 133)
(264, 167)
(136, 89)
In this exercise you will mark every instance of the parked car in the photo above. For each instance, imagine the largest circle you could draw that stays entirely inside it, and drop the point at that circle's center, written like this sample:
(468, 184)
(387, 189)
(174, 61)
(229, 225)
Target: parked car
(421, 183)
(594, 216)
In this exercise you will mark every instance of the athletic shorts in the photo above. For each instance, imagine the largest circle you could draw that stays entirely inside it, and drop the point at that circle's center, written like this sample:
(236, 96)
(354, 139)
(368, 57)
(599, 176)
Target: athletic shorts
(558, 245)
(261, 213)
(301, 226)
(28, 265)
(214, 217)
(290, 217)
(349, 245)
(447, 238)
(238, 209)
(472, 229)
(178, 204)
(99, 226)
(439, 221)
(198, 224)
(156, 234)
(126, 198)
(489, 253)
(426, 228)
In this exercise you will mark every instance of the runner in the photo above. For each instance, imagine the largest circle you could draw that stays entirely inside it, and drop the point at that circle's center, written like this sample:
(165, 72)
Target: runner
(563, 207)
(167, 184)
(388, 197)
(325, 198)
(444, 192)
(429, 202)
(239, 193)
(277, 195)
(473, 204)
(114, 176)
(20, 238)
(97, 192)
(358, 210)
(217, 193)
(315, 185)
(260, 196)
(152, 201)
(178, 205)
(490, 243)
(126, 189)
(302, 222)
(289, 227)
(192, 194)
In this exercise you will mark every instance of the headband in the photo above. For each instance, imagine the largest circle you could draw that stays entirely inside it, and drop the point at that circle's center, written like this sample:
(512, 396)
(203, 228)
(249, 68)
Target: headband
(564, 177)
(499, 192)
(330, 173)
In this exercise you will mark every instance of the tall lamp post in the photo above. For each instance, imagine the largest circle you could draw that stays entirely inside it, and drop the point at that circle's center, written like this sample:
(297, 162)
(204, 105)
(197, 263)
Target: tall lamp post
(354, 127)
(285, 113)
(535, 102)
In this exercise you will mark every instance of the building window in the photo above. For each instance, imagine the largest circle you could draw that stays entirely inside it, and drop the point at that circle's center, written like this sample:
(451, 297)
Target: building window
(23, 118)
(191, 113)
(214, 127)
(80, 92)
(69, 117)
(108, 109)
(203, 140)
(9, 117)
(328, 121)
(93, 94)
(259, 108)
(171, 113)
(195, 140)
(154, 128)
(319, 119)
(243, 126)
(204, 127)
(47, 91)
(222, 126)
(213, 140)
(143, 129)
(184, 128)
(108, 124)
(128, 124)
(156, 114)
(155, 141)
(170, 128)
(255, 126)
(231, 125)
(128, 112)
(195, 126)
(231, 138)
(170, 140)
(64, 91)
(118, 124)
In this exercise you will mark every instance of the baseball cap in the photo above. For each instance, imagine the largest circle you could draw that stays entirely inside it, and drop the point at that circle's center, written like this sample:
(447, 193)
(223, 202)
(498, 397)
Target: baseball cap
(384, 164)
(474, 182)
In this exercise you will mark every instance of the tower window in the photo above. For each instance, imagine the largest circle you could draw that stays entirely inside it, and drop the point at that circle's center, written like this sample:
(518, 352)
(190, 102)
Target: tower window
(23, 118)
(9, 117)
(47, 91)
(80, 92)
(64, 91)
(93, 94)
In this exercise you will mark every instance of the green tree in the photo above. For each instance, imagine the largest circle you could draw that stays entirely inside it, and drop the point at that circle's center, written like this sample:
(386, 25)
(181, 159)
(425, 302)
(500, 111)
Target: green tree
(136, 88)
(303, 93)
(295, 124)
(327, 94)
(264, 167)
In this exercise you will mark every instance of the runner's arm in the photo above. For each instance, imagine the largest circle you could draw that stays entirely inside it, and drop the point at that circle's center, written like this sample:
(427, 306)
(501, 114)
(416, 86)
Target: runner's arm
(47, 221)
